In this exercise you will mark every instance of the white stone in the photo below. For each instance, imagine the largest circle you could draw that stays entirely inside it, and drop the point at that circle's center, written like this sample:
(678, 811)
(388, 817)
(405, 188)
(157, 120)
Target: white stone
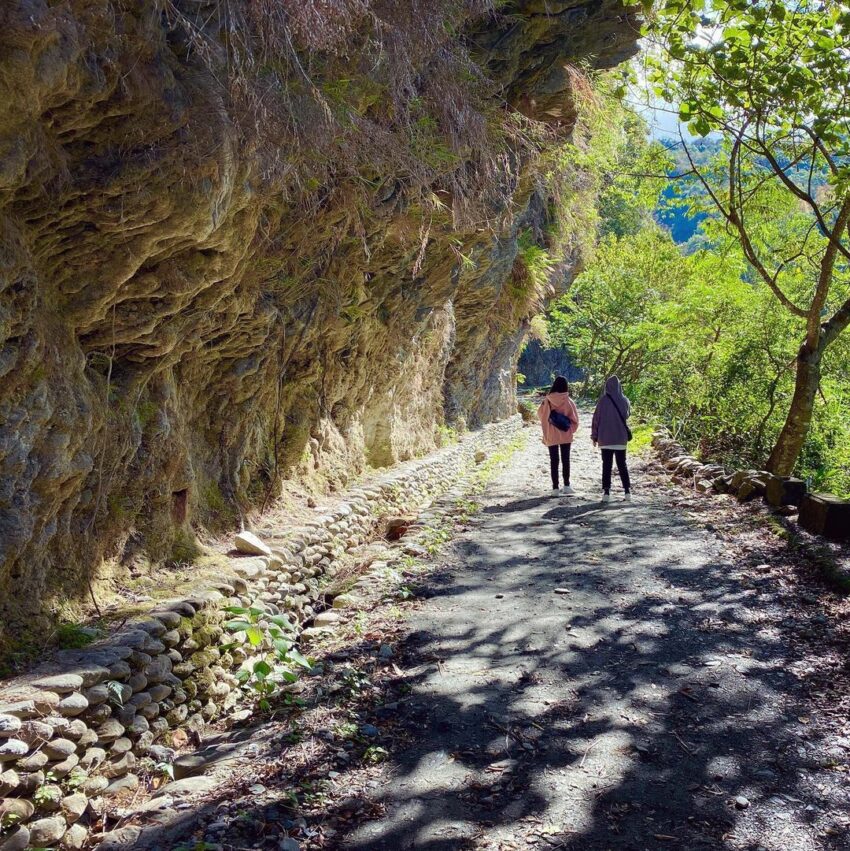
(9, 725)
(47, 831)
(130, 782)
(38, 703)
(74, 839)
(17, 808)
(59, 748)
(97, 694)
(250, 568)
(95, 785)
(62, 769)
(92, 758)
(74, 806)
(73, 704)
(109, 730)
(18, 841)
(93, 674)
(12, 749)
(9, 781)
(61, 683)
(248, 542)
(187, 786)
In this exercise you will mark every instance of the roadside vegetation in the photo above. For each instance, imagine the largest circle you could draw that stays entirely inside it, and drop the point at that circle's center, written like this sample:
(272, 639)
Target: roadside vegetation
(735, 336)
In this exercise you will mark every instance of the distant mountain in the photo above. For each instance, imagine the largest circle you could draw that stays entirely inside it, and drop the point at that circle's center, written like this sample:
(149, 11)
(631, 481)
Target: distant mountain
(672, 213)
(672, 209)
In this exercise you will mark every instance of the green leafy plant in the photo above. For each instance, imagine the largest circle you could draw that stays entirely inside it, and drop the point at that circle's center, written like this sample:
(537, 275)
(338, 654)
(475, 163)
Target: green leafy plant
(360, 621)
(165, 769)
(532, 271)
(275, 660)
(42, 795)
(354, 681)
(8, 820)
(465, 509)
(374, 754)
(346, 730)
(115, 690)
(404, 593)
(538, 330)
(446, 435)
(75, 778)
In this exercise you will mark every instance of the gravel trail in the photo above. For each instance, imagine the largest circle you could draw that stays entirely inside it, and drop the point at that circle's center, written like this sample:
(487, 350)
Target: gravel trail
(592, 676)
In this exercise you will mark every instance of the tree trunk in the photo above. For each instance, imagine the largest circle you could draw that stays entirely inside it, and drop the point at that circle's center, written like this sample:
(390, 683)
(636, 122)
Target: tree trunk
(790, 442)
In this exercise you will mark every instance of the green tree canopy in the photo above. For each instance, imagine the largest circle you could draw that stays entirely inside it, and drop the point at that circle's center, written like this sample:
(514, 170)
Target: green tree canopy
(774, 80)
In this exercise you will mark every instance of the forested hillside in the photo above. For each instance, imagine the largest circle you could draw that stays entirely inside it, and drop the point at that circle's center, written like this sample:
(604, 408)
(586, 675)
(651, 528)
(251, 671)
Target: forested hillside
(720, 290)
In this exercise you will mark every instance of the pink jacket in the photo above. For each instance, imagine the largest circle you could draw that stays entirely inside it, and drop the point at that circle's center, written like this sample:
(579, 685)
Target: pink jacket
(559, 402)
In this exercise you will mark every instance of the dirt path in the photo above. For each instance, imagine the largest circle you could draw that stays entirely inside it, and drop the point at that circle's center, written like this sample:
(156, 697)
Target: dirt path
(565, 674)
(589, 676)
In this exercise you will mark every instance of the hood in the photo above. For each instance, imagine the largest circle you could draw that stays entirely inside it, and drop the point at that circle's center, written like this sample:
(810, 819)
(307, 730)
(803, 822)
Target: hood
(612, 386)
(614, 389)
(558, 398)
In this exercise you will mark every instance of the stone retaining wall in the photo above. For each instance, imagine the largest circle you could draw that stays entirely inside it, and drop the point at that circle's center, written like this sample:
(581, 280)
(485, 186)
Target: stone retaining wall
(746, 484)
(74, 732)
(820, 514)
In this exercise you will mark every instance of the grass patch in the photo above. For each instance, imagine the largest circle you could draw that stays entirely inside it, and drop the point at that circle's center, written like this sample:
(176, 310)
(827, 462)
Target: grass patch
(503, 454)
(18, 653)
(445, 436)
(72, 636)
(641, 440)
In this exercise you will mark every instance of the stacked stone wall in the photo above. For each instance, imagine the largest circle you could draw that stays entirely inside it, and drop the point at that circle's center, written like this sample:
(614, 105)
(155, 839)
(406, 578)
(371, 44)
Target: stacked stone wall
(76, 732)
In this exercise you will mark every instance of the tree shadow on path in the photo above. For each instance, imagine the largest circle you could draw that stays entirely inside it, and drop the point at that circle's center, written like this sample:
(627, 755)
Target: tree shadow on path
(584, 677)
(647, 707)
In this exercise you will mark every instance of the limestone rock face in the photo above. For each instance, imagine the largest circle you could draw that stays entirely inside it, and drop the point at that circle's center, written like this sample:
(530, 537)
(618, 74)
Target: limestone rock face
(539, 365)
(526, 52)
(179, 332)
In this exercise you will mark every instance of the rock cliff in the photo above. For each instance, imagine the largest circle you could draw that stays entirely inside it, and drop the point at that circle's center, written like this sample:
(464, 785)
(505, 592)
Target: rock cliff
(247, 242)
(540, 364)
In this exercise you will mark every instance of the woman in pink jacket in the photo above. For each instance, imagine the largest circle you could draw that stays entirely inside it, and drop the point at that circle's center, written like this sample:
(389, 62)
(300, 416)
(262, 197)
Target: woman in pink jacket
(557, 439)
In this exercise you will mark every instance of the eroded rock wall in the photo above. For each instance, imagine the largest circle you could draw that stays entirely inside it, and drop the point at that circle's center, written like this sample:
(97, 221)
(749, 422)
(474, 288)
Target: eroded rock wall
(179, 331)
(74, 734)
(540, 364)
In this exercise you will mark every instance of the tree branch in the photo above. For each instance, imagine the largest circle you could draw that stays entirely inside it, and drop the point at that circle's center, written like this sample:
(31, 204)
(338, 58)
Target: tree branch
(735, 219)
(804, 196)
(820, 146)
(839, 321)
(827, 268)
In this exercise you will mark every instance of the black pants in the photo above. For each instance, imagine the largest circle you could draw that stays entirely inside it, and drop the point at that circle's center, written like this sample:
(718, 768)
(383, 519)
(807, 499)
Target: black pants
(565, 461)
(608, 456)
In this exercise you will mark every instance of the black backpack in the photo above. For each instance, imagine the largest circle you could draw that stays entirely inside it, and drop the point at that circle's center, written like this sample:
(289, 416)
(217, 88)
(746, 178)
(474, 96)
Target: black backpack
(561, 421)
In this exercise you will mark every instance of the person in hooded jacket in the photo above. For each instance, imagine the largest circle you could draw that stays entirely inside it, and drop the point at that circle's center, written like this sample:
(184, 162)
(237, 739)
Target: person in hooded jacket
(559, 441)
(609, 431)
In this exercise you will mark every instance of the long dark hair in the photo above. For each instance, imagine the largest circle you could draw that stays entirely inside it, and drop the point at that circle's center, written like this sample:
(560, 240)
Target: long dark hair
(559, 385)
